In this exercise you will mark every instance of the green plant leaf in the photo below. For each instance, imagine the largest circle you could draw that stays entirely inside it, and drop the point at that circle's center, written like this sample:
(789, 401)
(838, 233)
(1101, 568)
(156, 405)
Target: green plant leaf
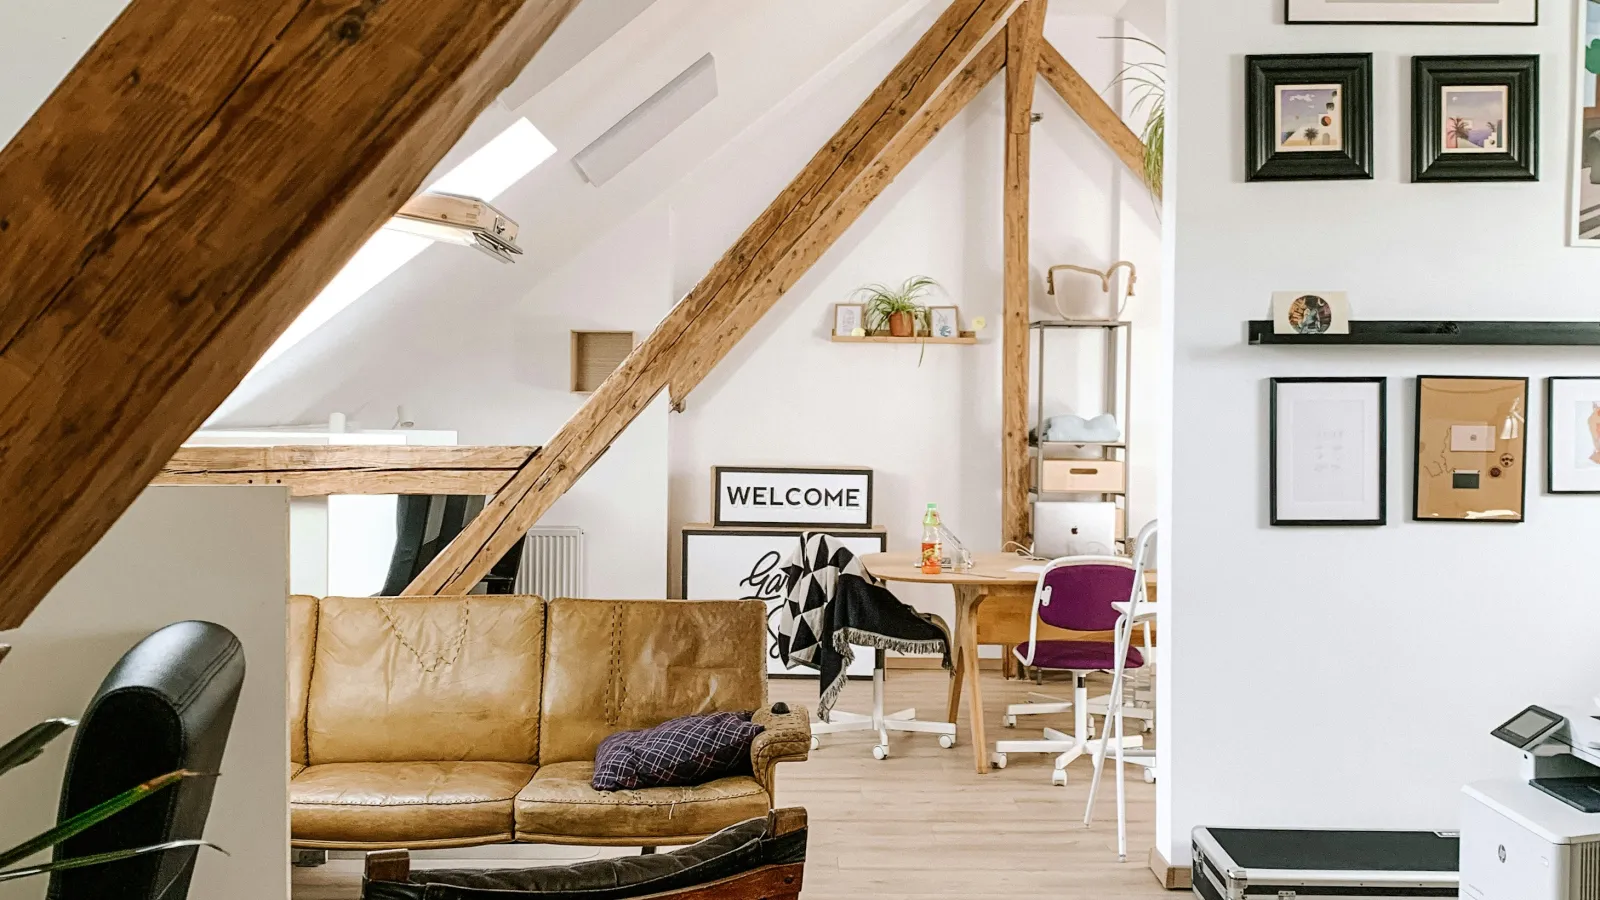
(100, 859)
(90, 817)
(1591, 57)
(27, 746)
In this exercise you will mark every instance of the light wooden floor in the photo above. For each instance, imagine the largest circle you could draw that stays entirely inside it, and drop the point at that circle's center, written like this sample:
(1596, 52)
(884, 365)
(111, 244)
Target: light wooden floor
(922, 824)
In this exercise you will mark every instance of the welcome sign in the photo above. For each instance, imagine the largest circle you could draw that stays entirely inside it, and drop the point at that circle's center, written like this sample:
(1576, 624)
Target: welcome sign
(785, 497)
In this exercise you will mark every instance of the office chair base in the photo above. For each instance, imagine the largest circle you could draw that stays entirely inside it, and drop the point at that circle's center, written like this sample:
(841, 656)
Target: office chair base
(905, 721)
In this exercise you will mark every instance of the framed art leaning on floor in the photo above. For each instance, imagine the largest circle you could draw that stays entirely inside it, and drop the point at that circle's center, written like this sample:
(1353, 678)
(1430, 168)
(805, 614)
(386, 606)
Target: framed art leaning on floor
(1329, 451)
(1572, 435)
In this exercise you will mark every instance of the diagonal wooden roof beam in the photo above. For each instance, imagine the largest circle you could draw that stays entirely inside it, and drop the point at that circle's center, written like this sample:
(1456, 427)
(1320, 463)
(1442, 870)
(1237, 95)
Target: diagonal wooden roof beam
(1092, 109)
(928, 86)
(321, 470)
(200, 174)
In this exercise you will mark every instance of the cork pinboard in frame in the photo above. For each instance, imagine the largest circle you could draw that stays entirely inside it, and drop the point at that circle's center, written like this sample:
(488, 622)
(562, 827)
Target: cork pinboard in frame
(1472, 449)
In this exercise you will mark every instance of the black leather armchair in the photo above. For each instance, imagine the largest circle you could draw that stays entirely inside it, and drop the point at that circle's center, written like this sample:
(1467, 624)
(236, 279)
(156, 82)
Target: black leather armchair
(167, 705)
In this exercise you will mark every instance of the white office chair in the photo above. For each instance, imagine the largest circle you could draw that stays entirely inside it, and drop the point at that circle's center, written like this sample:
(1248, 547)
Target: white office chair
(840, 721)
(1132, 615)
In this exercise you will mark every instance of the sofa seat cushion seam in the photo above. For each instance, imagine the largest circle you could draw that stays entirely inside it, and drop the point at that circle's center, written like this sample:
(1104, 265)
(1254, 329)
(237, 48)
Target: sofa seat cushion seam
(632, 803)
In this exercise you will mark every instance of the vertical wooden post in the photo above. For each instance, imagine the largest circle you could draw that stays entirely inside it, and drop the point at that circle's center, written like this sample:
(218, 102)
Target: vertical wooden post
(1023, 36)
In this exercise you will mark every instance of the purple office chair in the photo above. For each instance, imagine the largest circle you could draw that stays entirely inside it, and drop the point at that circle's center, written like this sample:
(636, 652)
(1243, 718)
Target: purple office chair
(1075, 593)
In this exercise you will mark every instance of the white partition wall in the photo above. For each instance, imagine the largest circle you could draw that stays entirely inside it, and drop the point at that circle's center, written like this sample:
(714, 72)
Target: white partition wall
(214, 553)
(1349, 677)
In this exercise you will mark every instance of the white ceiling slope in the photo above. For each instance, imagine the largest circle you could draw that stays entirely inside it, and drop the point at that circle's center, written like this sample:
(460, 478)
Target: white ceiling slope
(771, 55)
(785, 69)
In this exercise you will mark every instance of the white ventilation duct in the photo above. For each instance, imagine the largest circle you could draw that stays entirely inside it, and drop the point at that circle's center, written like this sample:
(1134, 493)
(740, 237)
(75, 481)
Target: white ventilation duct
(649, 123)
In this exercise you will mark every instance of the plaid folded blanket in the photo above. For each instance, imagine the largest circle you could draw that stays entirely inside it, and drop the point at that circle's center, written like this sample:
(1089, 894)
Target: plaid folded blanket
(832, 603)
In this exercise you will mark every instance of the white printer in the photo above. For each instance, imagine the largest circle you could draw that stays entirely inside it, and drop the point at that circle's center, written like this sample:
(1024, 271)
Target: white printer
(1537, 836)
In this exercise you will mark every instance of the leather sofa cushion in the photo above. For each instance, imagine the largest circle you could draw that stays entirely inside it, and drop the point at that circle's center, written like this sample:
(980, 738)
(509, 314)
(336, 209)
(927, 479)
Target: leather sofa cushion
(302, 643)
(621, 665)
(426, 678)
(560, 806)
(405, 804)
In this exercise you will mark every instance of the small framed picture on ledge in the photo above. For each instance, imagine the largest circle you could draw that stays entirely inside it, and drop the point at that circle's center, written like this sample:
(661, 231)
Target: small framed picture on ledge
(848, 318)
(1475, 118)
(944, 322)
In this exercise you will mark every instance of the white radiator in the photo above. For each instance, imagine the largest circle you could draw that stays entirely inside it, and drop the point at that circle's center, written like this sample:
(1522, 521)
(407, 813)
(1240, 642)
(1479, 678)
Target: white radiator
(552, 562)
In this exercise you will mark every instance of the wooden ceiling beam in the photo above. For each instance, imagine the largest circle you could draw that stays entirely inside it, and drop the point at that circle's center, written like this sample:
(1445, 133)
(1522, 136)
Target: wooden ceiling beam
(194, 181)
(322, 470)
(1092, 109)
(1024, 35)
(866, 150)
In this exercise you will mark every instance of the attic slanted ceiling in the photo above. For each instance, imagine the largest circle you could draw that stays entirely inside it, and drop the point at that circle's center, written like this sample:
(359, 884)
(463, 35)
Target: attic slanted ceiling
(211, 194)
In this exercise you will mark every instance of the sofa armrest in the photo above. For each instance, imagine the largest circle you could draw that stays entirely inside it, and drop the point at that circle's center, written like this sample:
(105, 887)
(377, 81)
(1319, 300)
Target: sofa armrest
(787, 738)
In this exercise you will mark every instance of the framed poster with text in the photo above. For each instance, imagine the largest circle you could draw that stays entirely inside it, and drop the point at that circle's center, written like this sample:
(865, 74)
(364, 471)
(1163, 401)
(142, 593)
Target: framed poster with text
(782, 497)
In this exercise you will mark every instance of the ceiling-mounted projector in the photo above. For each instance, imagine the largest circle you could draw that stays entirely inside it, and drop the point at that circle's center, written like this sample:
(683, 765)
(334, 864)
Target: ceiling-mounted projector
(455, 219)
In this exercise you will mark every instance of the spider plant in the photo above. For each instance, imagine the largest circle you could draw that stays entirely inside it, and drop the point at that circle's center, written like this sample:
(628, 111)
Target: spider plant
(27, 748)
(1148, 92)
(885, 304)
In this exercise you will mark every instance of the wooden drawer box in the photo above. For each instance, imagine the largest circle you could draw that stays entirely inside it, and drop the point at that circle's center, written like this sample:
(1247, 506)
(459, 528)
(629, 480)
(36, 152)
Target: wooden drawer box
(1087, 476)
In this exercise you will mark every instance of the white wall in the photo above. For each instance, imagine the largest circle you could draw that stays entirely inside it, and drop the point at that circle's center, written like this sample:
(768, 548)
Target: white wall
(1349, 677)
(786, 395)
(218, 554)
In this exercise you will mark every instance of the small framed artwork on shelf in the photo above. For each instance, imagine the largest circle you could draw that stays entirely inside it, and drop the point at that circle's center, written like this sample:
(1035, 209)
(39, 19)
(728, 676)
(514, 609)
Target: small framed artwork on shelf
(1310, 312)
(1472, 449)
(1329, 451)
(849, 319)
(1475, 118)
(1411, 12)
(1308, 117)
(944, 322)
(1572, 436)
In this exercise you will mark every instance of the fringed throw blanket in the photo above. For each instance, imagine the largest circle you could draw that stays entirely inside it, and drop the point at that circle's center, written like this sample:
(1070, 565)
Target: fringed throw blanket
(832, 603)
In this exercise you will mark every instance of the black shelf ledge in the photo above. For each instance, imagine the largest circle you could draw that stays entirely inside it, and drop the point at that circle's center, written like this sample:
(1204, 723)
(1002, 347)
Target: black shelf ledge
(1541, 334)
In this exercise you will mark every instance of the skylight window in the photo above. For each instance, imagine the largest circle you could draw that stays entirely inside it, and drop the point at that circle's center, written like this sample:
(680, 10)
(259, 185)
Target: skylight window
(486, 174)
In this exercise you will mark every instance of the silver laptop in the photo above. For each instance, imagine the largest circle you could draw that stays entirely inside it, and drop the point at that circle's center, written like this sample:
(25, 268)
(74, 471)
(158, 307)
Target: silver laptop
(1066, 528)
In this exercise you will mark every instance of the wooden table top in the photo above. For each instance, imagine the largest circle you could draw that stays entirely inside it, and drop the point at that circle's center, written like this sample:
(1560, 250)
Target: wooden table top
(987, 568)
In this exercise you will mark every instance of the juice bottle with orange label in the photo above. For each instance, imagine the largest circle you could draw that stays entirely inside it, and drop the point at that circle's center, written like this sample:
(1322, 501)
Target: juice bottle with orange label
(932, 544)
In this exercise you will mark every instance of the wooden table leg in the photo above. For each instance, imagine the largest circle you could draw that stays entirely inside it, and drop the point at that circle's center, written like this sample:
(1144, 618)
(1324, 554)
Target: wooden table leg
(957, 672)
(967, 600)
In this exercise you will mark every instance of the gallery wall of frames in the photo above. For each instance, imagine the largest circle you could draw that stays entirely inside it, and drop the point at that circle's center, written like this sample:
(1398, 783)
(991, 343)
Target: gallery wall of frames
(1472, 118)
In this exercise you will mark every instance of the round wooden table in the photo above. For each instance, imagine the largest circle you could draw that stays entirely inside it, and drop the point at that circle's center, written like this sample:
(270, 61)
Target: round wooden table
(991, 575)
(1005, 620)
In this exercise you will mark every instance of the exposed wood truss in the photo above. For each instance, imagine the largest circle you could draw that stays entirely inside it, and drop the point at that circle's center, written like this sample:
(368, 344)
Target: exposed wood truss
(1023, 36)
(918, 96)
(179, 198)
(315, 471)
(1092, 109)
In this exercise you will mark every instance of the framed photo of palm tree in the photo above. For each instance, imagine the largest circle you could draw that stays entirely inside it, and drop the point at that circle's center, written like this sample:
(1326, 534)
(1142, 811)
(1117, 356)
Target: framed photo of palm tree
(1308, 116)
(1475, 118)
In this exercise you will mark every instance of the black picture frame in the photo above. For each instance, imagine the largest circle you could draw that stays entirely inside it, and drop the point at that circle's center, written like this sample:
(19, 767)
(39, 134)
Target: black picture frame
(1416, 451)
(1550, 384)
(1279, 520)
(1519, 75)
(1290, 19)
(1265, 74)
(716, 494)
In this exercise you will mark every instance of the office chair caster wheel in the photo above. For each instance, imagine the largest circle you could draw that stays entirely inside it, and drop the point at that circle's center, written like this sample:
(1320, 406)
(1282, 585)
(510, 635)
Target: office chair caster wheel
(997, 760)
(1149, 776)
(1058, 777)
(815, 743)
(880, 752)
(1010, 721)
(947, 741)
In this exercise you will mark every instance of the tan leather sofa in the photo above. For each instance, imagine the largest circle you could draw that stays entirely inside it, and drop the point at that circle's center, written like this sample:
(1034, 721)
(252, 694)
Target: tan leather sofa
(455, 722)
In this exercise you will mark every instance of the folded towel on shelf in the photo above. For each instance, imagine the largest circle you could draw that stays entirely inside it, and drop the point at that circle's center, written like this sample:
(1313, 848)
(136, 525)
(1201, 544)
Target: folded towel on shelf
(1071, 429)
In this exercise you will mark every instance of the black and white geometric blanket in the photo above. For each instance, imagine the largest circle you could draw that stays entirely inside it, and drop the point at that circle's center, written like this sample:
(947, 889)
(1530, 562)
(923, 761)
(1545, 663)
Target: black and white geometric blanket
(832, 603)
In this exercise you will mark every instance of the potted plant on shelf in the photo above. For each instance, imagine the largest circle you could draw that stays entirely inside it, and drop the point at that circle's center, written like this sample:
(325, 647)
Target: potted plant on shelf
(897, 310)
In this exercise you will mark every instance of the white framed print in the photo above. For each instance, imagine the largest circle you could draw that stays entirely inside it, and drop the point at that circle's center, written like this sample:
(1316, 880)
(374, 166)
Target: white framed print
(1572, 435)
(1411, 12)
(848, 318)
(1329, 451)
(1583, 207)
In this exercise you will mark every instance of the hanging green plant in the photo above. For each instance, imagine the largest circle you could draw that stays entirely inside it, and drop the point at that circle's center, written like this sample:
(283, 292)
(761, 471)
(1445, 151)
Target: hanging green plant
(1148, 92)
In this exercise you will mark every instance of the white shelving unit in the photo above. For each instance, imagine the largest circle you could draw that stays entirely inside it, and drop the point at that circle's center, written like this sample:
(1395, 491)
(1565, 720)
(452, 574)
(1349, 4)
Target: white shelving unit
(1055, 478)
